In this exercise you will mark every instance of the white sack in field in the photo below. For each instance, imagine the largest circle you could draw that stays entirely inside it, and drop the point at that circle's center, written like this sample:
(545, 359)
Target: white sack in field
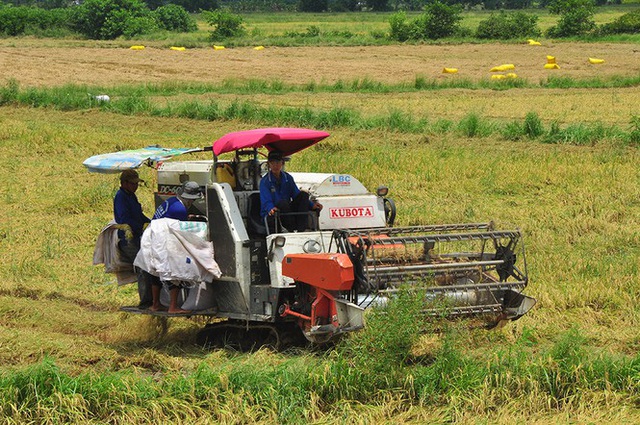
(177, 250)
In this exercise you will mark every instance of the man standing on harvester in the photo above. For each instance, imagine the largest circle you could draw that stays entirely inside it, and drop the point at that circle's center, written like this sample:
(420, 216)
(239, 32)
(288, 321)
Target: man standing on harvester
(127, 210)
(279, 193)
(176, 208)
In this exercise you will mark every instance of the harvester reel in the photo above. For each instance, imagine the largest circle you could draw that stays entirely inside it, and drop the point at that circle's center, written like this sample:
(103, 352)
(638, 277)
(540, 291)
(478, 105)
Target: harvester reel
(389, 211)
(506, 254)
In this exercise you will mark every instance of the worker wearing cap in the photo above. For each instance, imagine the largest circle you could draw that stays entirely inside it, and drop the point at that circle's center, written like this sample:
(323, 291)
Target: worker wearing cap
(176, 208)
(279, 193)
(127, 210)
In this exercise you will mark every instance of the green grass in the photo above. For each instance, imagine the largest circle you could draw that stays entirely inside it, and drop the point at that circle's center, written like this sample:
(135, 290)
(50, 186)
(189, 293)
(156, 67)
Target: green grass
(134, 102)
(363, 369)
(11, 91)
(70, 357)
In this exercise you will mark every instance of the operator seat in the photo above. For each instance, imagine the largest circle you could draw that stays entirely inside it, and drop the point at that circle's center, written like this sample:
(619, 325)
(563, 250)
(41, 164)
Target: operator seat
(256, 223)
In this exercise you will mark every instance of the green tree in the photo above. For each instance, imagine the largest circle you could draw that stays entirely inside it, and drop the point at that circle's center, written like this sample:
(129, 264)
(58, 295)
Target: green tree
(343, 5)
(517, 4)
(576, 17)
(493, 4)
(54, 4)
(377, 5)
(154, 4)
(22, 20)
(313, 5)
(505, 26)
(438, 20)
(174, 18)
(195, 6)
(225, 24)
(109, 19)
(400, 29)
(629, 23)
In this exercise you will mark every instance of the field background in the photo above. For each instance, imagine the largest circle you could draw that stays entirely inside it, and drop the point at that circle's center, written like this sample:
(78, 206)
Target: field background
(63, 339)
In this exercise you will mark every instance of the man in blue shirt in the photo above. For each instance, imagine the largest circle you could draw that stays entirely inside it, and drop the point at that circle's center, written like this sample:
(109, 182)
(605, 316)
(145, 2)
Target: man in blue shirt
(176, 208)
(127, 210)
(279, 193)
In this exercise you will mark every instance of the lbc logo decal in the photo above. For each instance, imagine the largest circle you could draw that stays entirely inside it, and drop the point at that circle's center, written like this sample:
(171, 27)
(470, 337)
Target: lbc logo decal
(340, 180)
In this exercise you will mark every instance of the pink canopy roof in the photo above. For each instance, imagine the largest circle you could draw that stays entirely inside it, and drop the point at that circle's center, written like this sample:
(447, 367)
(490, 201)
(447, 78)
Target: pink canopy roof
(285, 140)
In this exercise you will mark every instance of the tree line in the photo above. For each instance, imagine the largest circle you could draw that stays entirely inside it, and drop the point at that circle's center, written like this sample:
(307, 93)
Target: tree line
(110, 19)
(314, 5)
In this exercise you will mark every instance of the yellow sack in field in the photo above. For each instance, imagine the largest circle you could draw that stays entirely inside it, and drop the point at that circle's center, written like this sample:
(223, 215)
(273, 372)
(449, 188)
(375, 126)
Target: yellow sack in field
(258, 48)
(449, 70)
(218, 47)
(551, 59)
(511, 75)
(498, 77)
(137, 47)
(533, 43)
(596, 61)
(502, 68)
(179, 49)
(551, 66)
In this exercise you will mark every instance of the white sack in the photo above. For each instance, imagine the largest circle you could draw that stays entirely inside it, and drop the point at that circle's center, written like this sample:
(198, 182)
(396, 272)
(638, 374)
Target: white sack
(177, 250)
(106, 252)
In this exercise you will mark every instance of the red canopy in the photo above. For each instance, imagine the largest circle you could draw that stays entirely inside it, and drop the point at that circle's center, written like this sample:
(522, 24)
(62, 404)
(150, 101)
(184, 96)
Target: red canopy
(285, 140)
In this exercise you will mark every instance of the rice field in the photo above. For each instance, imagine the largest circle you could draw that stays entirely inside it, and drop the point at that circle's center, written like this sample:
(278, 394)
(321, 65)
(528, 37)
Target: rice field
(68, 356)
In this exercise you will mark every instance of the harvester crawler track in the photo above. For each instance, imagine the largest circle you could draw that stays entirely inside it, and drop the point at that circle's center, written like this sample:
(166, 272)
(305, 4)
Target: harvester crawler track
(462, 269)
(249, 336)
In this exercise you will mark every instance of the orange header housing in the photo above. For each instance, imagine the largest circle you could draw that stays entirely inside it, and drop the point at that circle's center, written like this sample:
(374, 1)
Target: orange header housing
(332, 272)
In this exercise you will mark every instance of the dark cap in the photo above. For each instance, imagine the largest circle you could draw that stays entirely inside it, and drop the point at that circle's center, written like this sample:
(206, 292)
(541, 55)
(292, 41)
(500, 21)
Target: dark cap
(190, 190)
(275, 156)
(130, 176)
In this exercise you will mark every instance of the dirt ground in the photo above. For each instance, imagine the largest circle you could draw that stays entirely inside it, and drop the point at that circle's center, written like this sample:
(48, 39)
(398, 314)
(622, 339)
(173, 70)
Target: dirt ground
(52, 66)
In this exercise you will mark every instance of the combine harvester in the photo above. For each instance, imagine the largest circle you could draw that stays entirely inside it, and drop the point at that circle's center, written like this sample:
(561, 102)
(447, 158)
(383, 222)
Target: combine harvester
(318, 283)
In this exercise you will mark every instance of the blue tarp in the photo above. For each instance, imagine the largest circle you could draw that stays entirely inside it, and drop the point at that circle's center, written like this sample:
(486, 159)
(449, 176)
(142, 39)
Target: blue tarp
(117, 162)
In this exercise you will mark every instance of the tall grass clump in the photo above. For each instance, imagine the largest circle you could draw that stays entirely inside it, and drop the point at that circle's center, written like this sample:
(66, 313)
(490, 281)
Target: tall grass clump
(376, 358)
(533, 126)
(512, 131)
(567, 370)
(197, 110)
(42, 393)
(634, 131)
(472, 125)
(563, 376)
(131, 105)
(9, 93)
(337, 117)
(450, 374)
(582, 134)
(65, 98)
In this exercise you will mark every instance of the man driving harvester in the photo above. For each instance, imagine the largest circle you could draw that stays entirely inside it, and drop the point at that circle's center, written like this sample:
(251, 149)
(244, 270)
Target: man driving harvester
(279, 193)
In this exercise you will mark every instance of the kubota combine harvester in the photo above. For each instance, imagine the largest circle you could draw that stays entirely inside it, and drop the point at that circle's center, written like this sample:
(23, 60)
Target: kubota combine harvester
(319, 282)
